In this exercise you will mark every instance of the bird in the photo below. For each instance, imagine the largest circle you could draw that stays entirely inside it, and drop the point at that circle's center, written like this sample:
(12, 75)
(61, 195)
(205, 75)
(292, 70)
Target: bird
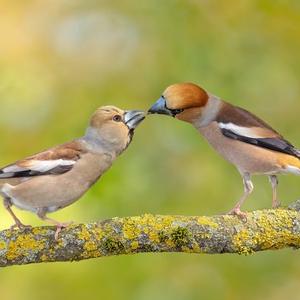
(55, 178)
(242, 138)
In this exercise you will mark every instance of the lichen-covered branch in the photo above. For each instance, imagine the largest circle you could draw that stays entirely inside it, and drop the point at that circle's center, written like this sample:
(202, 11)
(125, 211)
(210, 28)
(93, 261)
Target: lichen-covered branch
(263, 230)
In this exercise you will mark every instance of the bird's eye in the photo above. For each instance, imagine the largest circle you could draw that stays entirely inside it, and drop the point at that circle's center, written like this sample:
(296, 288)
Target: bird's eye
(117, 118)
(176, 111)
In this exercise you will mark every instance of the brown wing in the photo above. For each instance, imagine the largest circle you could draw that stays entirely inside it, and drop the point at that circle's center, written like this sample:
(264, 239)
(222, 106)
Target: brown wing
(239, 124)
(242, 117)
(57, 160)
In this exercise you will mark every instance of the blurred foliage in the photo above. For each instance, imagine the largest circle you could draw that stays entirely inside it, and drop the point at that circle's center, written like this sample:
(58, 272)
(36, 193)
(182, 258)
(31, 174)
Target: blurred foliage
(61, 59)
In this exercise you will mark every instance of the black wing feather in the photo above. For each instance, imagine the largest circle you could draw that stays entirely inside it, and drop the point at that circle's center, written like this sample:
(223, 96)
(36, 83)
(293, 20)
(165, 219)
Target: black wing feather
(275, 144)
(31, 173)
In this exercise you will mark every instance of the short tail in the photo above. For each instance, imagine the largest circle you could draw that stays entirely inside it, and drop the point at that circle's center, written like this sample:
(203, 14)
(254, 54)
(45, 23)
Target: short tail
(291, 164)
(296, 152)
(292, 169)
(5, 190)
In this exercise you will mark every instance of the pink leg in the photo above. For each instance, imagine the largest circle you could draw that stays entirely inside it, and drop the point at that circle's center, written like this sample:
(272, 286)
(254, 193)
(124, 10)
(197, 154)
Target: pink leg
(248, 188)
(59, 225)
(18, 223)
(274, 182)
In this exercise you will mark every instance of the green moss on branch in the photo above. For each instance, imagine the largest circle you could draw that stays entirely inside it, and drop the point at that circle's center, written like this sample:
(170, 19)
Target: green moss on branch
(264, 230)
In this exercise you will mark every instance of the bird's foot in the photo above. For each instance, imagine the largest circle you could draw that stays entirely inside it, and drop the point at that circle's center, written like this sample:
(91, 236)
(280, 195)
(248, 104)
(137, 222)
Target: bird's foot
(276, 204)
(19, 225)
(237, 211)
(60, 227)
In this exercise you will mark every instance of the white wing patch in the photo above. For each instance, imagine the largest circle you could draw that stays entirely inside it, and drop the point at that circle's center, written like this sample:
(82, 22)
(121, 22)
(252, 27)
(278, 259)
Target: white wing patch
(39, 165)
(292, 169)
(240, 130)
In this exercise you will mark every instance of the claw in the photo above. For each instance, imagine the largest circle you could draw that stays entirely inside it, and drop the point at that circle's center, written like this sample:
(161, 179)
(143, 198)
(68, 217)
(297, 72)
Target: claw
(19, 225)
(60, 227)
(237, 211)
(276, 204)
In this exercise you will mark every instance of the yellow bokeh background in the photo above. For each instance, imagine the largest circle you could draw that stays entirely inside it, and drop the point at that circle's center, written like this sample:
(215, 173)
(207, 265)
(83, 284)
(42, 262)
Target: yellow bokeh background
(61, 59)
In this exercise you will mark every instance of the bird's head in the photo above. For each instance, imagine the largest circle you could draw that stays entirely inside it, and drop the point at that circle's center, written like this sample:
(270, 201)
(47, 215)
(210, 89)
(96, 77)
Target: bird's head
(184, 101)
(113, 127)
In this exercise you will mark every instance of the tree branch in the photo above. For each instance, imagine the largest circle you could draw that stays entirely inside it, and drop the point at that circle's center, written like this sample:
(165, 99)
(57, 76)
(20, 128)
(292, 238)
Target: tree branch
(263, 230)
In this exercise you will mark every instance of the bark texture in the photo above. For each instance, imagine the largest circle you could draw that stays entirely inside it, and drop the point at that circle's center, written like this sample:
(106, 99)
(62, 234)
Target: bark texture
(263, 230)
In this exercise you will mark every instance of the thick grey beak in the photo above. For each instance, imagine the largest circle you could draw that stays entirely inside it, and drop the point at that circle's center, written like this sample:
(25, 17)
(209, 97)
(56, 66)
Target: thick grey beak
(133, 118)
(160, 107)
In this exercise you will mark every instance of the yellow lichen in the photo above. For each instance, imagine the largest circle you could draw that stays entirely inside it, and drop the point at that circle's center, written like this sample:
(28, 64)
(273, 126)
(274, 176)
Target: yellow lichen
(275, 231)
(167, 221)
(147, 224)
(130, 229)
(44, 258)
(8, 233)
(22, 245)
(154, 237)
(204, 236)
(194, 249)
(241, 242)
(134, 245)
(90, 238)
(2, 245)
(84, 234)
(170, 243)
(99, 233)
(207, 221)
(90, 246)
(147, 220)
(269, 229)
(39, 230)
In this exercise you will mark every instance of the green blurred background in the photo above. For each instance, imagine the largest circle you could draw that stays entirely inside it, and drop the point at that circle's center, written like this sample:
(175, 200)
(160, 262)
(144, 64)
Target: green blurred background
(61, 59)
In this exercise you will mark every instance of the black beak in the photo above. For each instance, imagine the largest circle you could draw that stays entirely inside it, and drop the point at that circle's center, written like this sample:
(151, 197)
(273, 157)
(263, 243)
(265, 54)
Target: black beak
(133, 118)
(160, 107)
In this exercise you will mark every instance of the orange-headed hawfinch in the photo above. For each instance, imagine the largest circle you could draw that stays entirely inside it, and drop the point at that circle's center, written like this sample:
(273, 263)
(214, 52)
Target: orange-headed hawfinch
(239, 136)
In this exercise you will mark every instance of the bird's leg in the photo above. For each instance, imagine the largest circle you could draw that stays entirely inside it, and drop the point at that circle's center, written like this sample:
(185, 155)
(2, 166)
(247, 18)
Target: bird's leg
(7, 204)
(248, 188)
(274, 182)
(59, 225)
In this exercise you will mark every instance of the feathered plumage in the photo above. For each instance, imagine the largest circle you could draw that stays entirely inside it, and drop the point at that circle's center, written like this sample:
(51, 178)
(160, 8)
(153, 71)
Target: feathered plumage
(55, 178)
(242, 138)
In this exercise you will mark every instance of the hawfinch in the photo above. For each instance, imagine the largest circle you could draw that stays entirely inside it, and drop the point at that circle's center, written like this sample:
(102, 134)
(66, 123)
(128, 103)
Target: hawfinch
(239, 136)
(53, 179)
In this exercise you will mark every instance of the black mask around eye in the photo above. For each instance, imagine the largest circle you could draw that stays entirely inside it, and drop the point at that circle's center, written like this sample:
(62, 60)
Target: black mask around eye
(176, 111)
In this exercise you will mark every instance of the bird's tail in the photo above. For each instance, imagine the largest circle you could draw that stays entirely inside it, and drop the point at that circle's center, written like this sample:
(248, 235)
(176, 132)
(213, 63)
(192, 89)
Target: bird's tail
(296, 152)
(5, 190)
(291, 164)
